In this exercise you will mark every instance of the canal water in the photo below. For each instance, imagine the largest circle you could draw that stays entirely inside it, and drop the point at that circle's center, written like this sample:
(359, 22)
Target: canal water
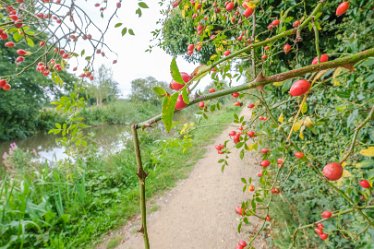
(109, 139)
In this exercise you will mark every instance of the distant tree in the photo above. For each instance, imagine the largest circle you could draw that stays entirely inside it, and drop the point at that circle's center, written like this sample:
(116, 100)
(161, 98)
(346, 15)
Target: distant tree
(141, 89)
(20, 109)
(103, 88)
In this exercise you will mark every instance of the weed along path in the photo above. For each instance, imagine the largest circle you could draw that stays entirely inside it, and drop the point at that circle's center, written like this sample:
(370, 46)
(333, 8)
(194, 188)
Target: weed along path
(200, 211)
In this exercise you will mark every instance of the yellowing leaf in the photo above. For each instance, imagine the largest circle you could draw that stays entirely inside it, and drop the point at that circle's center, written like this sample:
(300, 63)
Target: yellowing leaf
(368, 151)
(213, 57)
(278, 84)
(297, 125)
(281, 118)
(335, 75)
(304, 107)
(308, 122)
(301, 134)
(346, 174)
(319, 75)
(250, 4)
(253, 146)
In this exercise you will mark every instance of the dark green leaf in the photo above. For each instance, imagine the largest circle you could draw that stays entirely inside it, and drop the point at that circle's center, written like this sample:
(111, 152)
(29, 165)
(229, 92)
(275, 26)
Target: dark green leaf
(175, 74)
(143, 5)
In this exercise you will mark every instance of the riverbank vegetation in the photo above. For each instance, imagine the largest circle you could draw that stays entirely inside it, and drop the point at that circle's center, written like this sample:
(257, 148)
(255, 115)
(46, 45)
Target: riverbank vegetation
(74, 204)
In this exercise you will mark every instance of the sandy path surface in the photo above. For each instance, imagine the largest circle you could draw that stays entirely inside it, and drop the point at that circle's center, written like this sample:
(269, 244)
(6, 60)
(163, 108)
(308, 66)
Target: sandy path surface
(199, 211)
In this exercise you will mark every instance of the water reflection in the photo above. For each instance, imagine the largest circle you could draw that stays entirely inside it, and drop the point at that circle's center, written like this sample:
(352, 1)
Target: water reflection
(109, 139)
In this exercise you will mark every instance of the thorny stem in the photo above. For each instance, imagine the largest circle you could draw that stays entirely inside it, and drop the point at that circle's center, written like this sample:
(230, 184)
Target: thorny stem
(357, 130)
(142, 175)
(265, 80)
(316, 35)
(253, 39)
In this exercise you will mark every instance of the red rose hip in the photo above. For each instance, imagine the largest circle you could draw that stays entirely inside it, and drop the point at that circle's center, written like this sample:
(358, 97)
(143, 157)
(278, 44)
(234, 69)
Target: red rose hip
(342, 8)
(180, 103)
(265, 163)
(333, 171)
(326, 214)
(323, 58)
(176, 86)
(230, 6)
(365, 184)
(287, 48)
(299, 154)
(300, 87)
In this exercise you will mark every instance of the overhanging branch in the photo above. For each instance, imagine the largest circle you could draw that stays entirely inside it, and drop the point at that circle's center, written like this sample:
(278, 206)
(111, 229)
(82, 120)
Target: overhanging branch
(265, 80)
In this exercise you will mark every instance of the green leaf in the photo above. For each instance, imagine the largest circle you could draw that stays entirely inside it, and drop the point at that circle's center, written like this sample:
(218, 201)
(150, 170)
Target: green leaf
(57, 79)
(241, 154)
(118, 25)
(185, 96)
(168, 108)
(159, 91)
(124, 31)
(17, 37)
(30, 42)
(131, 32)
(143, 5)
(175, 74)
(138, 12)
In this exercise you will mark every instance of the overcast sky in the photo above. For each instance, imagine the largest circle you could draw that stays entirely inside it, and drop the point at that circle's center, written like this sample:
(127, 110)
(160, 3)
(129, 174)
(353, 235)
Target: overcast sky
(133, 61)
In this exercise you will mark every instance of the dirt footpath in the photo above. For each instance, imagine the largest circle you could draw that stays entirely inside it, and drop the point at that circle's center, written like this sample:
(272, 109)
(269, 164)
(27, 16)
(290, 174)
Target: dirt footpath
(200, 211)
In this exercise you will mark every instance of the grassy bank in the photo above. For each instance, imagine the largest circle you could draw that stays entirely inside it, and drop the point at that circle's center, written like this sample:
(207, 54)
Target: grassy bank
(117, 112)
(73, 205)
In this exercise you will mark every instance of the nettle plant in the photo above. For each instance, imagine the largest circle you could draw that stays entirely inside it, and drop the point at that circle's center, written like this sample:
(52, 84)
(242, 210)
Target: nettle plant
(302, 82)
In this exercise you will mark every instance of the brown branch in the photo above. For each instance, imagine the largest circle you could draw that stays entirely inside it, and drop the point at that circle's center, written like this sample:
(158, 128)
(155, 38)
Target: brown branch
(352, 59)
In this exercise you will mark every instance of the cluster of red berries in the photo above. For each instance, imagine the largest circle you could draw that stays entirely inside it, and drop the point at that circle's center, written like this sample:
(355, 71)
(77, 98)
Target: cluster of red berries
(241, 244)
(248, 10)
(87, 74)
(178, 86)
(219, 148)
(273, 24)
(4, 85)
(319, 230)
(191, 47)
(235, 136)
